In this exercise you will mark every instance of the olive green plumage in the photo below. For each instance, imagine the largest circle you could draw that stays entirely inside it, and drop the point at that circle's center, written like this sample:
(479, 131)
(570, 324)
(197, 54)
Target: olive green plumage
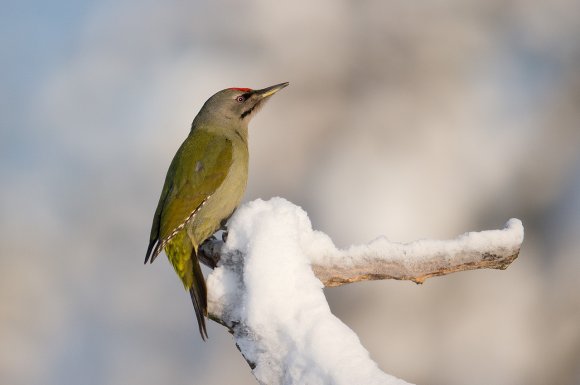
(204, 184)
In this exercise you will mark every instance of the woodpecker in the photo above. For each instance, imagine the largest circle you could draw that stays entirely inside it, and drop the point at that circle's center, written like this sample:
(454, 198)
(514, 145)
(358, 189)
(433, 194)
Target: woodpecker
(204, 184)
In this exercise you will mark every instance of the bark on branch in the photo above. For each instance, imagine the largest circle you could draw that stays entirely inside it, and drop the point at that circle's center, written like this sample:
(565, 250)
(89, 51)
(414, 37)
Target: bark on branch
(424, 259)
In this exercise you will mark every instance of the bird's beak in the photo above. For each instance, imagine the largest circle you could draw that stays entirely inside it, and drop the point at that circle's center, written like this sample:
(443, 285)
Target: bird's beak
(269, 91)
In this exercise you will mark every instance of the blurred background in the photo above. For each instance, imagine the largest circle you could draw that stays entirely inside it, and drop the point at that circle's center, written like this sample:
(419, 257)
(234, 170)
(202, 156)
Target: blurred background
(405, 119)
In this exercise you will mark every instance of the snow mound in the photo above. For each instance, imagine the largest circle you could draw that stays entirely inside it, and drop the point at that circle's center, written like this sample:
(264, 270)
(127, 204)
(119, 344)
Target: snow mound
(265, 290)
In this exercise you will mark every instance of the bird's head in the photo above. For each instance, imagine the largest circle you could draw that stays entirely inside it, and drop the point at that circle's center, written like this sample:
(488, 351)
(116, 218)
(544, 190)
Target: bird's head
(237, 105)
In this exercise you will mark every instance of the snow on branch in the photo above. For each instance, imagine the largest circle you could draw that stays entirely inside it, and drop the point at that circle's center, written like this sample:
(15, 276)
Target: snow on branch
(419, 260)
(267, 289)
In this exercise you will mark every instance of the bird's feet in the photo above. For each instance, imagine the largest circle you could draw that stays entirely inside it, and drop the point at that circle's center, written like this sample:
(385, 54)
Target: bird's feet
(209, 252)
(224, 228)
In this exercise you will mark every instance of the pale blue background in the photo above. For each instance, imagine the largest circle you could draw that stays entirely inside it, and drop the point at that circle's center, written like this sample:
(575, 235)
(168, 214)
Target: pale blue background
(409, 120)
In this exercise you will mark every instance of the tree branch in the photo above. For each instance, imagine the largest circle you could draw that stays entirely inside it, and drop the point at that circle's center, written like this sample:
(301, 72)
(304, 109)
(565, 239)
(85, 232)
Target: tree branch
(415, 261)
(419, 260)
(266, 288)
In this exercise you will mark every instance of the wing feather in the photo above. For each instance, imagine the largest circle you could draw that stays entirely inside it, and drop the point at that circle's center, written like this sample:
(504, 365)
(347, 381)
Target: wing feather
(199, 167)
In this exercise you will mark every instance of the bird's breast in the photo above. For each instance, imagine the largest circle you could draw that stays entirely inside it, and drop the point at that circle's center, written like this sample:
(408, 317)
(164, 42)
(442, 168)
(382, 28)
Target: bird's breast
(222, 203)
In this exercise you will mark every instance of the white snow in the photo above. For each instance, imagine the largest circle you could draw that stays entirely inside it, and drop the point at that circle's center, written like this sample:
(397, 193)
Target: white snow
(505, 241)
(288, 329)
(266, 291)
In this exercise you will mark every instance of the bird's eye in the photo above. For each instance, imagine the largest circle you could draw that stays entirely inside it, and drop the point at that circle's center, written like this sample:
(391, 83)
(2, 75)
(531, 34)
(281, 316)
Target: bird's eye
(240, 99)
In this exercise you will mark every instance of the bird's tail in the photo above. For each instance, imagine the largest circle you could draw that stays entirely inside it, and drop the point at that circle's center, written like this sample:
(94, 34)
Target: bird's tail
(198, 292)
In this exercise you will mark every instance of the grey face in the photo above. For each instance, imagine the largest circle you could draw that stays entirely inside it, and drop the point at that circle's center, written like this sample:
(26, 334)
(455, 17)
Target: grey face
(233, 104)
(239, 103)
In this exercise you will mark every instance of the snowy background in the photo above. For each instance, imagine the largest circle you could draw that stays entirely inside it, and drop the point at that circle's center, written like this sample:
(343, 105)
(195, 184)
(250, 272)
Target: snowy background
(407, 120)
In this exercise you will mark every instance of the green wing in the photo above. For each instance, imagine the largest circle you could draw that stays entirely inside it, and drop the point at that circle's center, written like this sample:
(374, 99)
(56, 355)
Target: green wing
(199, 167)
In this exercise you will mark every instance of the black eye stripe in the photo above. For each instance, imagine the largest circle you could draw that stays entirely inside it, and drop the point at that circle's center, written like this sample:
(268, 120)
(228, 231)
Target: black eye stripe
(246, 113)
(245, 95)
